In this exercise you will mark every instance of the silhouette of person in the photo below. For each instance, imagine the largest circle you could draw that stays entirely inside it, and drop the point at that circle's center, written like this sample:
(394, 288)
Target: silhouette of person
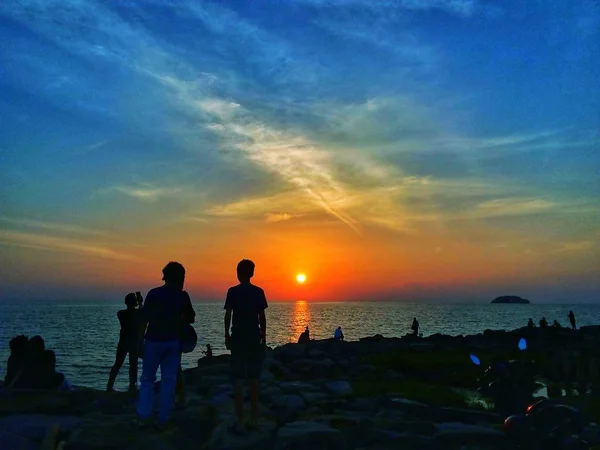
(129, 320)
(31, 377)
(163, 310)
(338, 334)
(188, 316)
(530, 323)
(415, 326)
(543, 323)
(15, 365)
(555, 324)
(208, 353)
(49, 378)
(304, 336)
(245, 314)
(572, 320)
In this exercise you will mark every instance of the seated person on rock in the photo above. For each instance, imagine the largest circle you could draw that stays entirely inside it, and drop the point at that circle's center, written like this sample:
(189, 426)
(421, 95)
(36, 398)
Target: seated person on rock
(530, 323)
(338, 335)
(39, 370)
(556, 324)
(49, 378)
(304, 336)
(16, 360)
(29, 378)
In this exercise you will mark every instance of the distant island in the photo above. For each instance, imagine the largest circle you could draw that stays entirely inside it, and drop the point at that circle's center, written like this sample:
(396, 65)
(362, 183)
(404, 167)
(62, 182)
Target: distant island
(510, 299)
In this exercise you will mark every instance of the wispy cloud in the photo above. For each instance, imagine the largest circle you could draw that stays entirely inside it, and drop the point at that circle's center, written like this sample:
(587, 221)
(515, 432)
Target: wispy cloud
(145, 193)
(576, 246)
(60, 244)
(458, 7)
(52, 226)
(512, 206)
(333, 164)
(273, 218)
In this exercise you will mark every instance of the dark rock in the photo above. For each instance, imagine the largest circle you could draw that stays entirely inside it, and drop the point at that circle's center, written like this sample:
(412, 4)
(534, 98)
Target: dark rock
(15, 442)
(315, 436)
(470, 416)
(297, 386)
(459, 433)
(340, 388)
(289, 402)
(259, 439)
(36, 426)
(423, 428)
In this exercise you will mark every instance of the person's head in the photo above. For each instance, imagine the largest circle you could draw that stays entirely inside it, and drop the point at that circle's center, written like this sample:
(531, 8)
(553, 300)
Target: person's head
(18, 344)
(131, 300)
(339, 328)
(414, 319)
(245, 270)
(174, 274)
(36, 345)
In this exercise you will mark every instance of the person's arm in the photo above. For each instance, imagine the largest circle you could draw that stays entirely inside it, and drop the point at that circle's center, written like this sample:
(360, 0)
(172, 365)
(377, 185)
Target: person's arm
(262, 318)
(227, 320)
(140, 299)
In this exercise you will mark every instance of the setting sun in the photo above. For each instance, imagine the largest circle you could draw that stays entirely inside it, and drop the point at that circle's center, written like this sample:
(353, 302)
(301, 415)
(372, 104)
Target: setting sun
(300, 278)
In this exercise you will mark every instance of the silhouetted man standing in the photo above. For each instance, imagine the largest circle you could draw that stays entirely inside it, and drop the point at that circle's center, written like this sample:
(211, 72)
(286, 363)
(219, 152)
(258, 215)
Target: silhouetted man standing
(247, 304)
(164, 309)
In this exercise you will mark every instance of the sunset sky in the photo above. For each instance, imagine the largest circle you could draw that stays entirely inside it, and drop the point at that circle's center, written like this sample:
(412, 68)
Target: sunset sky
(410, 150)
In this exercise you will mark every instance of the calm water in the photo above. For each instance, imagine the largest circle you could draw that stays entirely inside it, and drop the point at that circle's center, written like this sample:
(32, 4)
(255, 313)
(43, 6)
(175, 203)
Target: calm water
(84, 335)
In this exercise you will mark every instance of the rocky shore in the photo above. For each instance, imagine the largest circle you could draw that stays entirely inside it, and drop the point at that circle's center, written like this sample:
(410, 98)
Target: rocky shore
(375, 393)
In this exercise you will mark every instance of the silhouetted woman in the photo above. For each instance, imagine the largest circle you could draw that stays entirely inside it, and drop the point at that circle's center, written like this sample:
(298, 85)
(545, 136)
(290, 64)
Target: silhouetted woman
(129, 337)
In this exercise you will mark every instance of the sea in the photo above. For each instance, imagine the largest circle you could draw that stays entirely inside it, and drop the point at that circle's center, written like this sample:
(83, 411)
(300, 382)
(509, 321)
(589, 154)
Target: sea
(84, 334)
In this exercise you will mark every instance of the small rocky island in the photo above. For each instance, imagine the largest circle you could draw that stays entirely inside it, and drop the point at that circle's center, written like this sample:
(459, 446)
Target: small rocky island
(511, 299)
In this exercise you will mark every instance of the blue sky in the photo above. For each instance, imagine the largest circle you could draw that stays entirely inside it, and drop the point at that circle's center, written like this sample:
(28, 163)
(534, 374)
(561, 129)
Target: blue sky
(121, 120)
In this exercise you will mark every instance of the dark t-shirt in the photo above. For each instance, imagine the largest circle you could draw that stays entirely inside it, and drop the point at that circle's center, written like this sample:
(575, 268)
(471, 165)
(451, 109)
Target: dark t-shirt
(246, 301)
(130, 320)
(166, 309)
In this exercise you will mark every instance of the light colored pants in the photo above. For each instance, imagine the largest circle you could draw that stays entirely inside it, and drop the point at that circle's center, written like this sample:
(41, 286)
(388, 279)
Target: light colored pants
(167, 356)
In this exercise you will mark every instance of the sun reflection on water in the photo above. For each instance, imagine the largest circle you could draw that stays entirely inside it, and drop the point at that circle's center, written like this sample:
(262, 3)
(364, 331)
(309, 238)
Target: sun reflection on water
(300, 320)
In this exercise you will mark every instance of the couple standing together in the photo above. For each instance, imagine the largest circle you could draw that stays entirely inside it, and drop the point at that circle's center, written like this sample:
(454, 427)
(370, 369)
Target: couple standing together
(168, 308)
